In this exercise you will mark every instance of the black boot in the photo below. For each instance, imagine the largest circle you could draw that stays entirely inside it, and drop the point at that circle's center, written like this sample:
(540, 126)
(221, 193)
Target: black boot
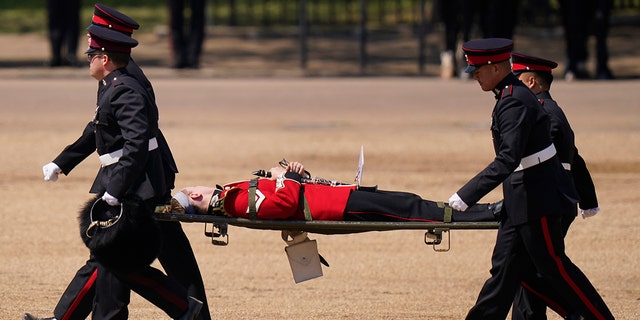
(28, 316)
(193, 309)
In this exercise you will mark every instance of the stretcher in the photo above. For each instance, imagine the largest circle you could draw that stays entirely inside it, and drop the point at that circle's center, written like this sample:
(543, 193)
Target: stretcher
(216, 227)
(302, 252)
(218, 231)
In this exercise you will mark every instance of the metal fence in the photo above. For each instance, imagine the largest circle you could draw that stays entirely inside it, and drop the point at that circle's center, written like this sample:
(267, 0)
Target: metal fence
(320, 13)
(363, 16)
(335, 13)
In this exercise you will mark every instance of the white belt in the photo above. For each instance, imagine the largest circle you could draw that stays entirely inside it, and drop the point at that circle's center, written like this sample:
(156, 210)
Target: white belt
(536, 158)
(566, 166)
(108, 159)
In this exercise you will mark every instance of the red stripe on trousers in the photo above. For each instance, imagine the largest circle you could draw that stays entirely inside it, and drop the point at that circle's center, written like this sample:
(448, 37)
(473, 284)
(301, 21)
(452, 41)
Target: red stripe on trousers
(554, 306)
(392, 216)
(87, 286)
(563, 272)
(163, 292)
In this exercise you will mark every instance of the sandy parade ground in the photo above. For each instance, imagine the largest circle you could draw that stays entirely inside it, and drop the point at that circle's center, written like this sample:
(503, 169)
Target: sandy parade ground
(420, 134)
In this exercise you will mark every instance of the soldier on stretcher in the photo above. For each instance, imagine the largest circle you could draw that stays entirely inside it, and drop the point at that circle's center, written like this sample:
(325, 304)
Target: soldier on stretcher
(286, 196)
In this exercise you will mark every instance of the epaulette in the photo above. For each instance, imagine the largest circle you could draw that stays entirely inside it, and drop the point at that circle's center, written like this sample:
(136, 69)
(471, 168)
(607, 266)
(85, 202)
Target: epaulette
(117, 81)
(507, 91)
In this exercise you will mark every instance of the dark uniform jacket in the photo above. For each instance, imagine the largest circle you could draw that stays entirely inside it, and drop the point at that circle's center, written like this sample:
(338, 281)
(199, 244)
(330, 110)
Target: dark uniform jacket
(126, 118)
(564, 140)
(520, 127)
(171, 168)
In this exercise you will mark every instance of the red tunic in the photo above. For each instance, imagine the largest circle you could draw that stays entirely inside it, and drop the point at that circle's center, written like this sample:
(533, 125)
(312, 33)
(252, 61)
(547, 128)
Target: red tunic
(276, 200)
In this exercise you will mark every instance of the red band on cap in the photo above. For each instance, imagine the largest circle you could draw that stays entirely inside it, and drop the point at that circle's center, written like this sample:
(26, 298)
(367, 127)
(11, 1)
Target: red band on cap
(488, 59)
(530, 67)
(100, 21)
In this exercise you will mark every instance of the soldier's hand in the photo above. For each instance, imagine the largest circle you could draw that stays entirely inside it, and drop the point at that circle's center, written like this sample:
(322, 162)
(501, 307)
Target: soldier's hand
(276, 172)
(51, 171)
(586, 213)
(456, 203)
(296, 167)
(111, 200)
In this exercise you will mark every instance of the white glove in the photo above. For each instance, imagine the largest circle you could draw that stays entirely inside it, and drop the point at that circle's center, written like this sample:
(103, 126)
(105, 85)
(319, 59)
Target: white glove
(589, 212)
(51, 171)
(111, 200)
(456, 203)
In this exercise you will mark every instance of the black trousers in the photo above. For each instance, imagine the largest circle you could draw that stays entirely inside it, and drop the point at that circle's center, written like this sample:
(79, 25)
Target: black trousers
(533, 296)
(457, 17)
(177, 259)
(403, 206)
(498, 18)
(150, 283)
(186, 40)
(106, 292)
(536, 247)
(64, 30)
(77, 300)
(580, 18)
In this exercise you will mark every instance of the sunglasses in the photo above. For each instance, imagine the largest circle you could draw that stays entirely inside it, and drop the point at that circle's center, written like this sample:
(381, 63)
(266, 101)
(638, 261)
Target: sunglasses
(90, 56)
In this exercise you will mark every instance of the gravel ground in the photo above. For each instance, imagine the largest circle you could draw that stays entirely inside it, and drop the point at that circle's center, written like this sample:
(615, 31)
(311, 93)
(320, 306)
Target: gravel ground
(420, 134)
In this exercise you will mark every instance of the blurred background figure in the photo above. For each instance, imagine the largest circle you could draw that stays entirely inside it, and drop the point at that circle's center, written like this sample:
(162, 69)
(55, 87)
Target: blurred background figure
(187, 38)
(579, 19)
(601, 30)
(457, 18)
(64, 31)
(497, 19)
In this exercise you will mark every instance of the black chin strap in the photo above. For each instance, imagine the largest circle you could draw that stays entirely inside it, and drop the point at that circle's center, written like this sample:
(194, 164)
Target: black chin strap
(215, 204)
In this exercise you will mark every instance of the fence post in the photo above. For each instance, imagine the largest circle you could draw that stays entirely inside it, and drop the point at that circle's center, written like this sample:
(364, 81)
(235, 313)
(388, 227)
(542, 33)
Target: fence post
(363, 35)
(303, 33)
(421, 36)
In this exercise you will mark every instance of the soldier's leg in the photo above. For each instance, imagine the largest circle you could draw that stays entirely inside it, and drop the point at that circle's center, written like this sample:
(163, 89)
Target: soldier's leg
(77, 300)
(526, 306)
(154, 286)
(112, 296)
(176, 26)
(196, 33)
(179, 262)
(508, 263)
(72, 30)
(601, 30)
(55, 22)
(404, 206)
(544, 240)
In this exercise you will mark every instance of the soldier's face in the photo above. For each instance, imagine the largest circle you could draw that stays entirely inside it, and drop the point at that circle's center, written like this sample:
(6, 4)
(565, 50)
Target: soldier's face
(199, 197)
(96, 66)
(486, 76)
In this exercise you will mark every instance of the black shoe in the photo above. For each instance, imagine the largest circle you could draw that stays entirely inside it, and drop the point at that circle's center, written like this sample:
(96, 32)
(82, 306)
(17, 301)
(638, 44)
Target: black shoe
(496, 209)
(604, 74)
(28, 316)
(54, 62)
(576, 71)
(72, 61)
(571, 75)
(179, 61)
(193, 310)
(192, 62)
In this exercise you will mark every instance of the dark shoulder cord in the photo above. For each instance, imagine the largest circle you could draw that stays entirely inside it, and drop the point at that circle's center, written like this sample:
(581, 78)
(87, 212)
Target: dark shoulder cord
(253, 186)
